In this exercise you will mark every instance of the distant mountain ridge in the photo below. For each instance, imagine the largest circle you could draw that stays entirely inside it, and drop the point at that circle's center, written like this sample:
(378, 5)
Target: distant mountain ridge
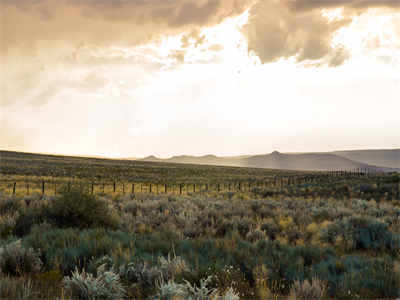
(372, 160)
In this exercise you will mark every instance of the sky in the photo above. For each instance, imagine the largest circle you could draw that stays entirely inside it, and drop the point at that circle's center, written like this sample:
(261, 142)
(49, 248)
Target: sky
(132, 78)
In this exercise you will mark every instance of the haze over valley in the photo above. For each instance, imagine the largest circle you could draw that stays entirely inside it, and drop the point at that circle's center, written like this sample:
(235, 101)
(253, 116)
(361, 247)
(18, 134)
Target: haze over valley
(372, 160)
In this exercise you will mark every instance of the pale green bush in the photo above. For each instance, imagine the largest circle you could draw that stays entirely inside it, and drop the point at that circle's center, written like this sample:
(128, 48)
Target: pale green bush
(171, 290)
(84, 285)
(307, 290)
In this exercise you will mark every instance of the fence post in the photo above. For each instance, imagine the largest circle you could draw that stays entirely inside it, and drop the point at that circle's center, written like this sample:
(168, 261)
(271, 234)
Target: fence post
(180, 189)
(14, 187)
(92, 188)
(43, 187)
(133, 188)
(150, 188)
(165, 188)
(218, 188)
(194, 188)
(114, 187)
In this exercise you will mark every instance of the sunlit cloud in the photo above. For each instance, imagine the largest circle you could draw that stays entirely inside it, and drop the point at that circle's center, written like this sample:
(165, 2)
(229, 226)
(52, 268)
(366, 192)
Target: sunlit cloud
(133, 78)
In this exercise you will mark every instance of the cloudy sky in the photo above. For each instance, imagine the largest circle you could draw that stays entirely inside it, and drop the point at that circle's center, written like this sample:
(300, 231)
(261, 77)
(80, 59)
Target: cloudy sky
(130, 78)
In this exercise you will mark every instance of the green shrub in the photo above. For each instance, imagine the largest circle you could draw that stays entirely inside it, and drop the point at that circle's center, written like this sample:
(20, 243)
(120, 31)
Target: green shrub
(170, 290)
(243, 226)
(84, 285)
(313, 289)
(357, 276)
(231, 277)
(7, 225)
(361, 234)
(6, 231)
(9, 205)
(15, 288)
(82, 210)
(25, 222)
(16, 260)
(65, 249)
(48, 285)
(172, 266)
(140, 273)
(270, 229)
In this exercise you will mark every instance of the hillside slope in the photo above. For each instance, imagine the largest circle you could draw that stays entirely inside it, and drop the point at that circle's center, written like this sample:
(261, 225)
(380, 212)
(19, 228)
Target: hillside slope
(384, 158)
(306, 161)
(276, 160)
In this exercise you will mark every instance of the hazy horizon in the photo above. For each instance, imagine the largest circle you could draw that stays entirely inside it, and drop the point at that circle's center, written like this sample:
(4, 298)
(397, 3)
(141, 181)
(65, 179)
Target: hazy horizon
(199, 155)
(128, 78)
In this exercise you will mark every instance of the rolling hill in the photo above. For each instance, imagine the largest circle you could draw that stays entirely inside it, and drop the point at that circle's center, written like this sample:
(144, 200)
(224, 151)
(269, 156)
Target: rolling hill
(385, 158)
(378, 160)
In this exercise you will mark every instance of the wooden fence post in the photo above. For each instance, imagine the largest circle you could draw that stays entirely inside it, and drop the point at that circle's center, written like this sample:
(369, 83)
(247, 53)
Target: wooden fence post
(114, 185)
(180, 189)
(150, 188)
(92, 188)
(43, 187)
(194, 188)
(133, 188)
(165, 188)
(14, 187)
(123, 188)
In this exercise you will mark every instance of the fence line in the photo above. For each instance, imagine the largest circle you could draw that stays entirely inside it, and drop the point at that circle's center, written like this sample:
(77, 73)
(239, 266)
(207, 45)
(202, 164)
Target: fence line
(53, 186)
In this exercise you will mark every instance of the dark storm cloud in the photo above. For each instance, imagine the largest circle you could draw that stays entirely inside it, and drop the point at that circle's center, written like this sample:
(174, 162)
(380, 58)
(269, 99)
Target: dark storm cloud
(31, 25)
(350, 4)
(298, 28)
(44, 41)
(276, 31)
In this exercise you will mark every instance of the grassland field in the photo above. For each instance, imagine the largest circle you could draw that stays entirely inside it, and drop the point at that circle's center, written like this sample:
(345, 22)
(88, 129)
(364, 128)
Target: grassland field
(287, 235)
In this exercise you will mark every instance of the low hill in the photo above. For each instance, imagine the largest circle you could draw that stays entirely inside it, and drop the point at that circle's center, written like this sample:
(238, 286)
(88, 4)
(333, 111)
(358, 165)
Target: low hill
(340, 160)
(236, 161)
(307, 161)
(385, 158)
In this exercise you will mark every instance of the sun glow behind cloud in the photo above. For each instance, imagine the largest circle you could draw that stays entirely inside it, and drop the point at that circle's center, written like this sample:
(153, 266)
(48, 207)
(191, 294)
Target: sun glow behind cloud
(204, 90)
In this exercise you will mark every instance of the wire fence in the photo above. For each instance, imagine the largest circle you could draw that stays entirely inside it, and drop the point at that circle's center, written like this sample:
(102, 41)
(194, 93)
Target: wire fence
(55, 186)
